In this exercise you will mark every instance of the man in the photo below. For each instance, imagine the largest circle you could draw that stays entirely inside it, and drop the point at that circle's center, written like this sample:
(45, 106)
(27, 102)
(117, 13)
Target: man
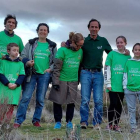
(7, 36)
(91, 74)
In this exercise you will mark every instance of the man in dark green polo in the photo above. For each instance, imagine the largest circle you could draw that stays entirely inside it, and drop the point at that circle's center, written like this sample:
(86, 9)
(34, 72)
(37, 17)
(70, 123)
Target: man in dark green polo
(91, 74)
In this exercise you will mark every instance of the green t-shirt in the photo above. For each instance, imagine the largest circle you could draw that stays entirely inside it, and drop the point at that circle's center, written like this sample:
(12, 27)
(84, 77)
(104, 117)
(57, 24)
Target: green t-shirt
(41, 57)
(132, 68)
(117, 62)
(93, 52)
(11, 70)
(5, 40)
(71, 61)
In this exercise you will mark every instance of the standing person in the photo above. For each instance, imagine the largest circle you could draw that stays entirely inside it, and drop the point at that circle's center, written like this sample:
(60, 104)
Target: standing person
(91, 74)
(131, 85)
(11, 77)
(114, 67)
(8, 36)
(37, 56)
(65, 79)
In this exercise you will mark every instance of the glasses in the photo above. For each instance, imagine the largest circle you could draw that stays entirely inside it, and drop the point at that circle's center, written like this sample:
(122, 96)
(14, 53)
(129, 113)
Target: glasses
(78, 45)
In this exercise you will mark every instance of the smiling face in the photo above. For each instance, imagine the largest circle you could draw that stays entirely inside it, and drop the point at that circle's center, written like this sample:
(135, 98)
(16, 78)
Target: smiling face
(136, 51)
(94, 29)
(120, 44)
(10, 25)
(13, 52)
(42, 32)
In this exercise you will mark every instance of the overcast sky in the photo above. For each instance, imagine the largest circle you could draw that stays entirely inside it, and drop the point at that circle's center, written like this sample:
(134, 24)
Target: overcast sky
(117, 17)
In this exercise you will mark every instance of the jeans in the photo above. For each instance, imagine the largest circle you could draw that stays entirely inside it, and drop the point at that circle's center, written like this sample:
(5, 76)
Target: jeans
(41, 82)
(91, 80)
(131, 97)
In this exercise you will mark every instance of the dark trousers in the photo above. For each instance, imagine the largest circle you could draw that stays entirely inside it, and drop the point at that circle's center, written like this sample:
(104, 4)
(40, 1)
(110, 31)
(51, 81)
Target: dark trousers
(57, 109)
(115, 108)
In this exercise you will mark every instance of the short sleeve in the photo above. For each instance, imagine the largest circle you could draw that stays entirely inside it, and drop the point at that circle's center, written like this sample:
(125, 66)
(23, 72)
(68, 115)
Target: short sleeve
(21, 46)
(109, 60)
(107, 46)
(22, 71)
(60, 54)
(125, 68)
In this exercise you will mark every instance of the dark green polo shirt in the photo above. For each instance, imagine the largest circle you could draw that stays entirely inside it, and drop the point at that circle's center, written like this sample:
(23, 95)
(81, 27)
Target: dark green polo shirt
(93, 52)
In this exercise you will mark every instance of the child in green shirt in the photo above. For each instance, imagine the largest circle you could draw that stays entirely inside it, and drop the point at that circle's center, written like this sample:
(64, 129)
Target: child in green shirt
(11, 77)
(114, 67)
(131, 85)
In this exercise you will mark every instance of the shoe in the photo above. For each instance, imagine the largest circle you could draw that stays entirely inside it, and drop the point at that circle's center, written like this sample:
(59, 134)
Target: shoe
(36, 124)
(109, 127)
(57, 125)
(97, 127)
(117, 128)
(133, 130)
(83, 125)
(16, 125)
(69, 125)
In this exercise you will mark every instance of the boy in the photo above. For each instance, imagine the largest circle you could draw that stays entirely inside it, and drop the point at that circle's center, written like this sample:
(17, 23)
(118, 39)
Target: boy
(11, 77)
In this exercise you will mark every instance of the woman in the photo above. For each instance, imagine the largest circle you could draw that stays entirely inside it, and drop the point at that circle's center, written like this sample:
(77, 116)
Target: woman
(65, 79)
(37, 57)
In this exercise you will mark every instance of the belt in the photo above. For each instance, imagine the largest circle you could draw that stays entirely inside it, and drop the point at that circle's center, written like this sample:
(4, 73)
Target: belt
(92, 70)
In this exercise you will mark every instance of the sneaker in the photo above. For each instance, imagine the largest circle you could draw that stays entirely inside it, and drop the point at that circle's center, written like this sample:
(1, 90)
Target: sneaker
(117, 128)
(133, 130)
(36, 124)
(57, 125)
(97, 127)
(109, 127)
(69, 125)
(16, 125)
(83, 125)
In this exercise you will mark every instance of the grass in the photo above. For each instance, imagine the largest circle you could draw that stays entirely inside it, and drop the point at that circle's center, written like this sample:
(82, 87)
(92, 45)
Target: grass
(46, 132)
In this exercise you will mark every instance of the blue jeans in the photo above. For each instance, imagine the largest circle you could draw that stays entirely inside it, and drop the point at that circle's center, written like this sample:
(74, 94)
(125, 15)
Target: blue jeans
(41, 82)
(89, 81)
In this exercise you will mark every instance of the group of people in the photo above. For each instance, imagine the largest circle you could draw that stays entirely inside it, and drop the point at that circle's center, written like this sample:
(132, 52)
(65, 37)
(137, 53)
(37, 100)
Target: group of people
(79, 59)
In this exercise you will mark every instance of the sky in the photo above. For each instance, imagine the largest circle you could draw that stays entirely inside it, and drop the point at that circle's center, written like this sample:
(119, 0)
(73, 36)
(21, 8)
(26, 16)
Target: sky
(117, 17)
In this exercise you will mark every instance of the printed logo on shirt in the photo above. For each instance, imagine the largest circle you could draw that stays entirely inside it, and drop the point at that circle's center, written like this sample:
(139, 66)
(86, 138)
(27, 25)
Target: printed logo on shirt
(79, 56)
(118, 68)
(99, 47)
(10, 77)
(3, 49)
(134, 72)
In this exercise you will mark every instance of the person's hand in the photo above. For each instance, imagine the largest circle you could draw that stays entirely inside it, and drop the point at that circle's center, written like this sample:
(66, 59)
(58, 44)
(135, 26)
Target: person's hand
(30, 63)
(47, 70)
(56, 87)
(109, 88)
(127, 52)
(12, 86)
(63, 44)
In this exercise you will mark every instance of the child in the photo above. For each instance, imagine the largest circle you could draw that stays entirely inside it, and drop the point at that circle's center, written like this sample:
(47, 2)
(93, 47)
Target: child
(11, 77)
(114, 67)
(65, 79)
(131, 85)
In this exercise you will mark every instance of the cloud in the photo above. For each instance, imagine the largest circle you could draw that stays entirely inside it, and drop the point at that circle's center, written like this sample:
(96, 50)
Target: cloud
(116, 17)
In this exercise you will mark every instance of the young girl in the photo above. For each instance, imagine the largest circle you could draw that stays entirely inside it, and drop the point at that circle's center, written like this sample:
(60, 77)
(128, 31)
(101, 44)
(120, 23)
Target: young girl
(11, 77)
(65, 79)
(131, 85)
(114, 67)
